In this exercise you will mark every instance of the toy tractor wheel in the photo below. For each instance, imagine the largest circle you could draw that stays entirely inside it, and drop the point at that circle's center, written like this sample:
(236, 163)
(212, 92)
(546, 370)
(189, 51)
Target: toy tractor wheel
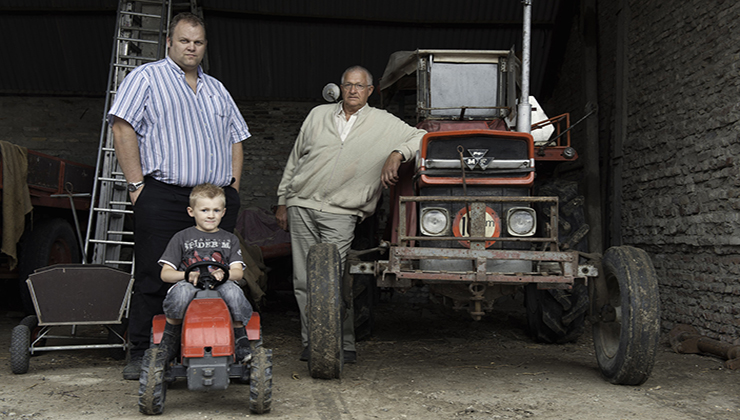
(20, 343)
(152, 386)
(260, 381)
(324, 309)
(627, 306)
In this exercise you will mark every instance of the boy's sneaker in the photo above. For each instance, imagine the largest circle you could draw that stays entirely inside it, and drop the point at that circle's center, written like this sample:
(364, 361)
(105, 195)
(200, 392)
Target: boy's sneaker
(243, 350)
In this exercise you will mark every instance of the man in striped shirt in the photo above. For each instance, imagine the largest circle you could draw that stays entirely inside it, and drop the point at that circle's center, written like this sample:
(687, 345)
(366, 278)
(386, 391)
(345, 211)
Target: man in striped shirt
(174, 127)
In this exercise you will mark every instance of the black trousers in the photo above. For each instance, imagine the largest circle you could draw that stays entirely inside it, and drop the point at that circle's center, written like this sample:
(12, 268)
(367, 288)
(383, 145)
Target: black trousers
(159, 213)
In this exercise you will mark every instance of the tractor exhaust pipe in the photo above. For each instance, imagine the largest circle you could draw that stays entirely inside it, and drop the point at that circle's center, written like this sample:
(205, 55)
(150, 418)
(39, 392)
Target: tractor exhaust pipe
(524, 109)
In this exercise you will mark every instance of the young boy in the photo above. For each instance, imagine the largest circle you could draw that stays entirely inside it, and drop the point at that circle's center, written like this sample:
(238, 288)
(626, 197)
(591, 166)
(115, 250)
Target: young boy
(203, 242)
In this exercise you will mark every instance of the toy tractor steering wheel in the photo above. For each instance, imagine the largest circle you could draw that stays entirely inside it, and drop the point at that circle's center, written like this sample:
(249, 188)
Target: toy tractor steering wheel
(206, 280)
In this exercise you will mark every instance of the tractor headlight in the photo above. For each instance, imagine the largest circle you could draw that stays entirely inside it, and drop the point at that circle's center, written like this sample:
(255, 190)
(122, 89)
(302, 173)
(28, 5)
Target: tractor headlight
(434, 221)
(521, 221)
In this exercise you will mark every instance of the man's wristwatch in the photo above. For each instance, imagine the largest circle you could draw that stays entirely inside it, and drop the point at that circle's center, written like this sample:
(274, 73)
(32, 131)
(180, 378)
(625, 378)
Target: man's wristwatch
(133, 186)
(403, 158)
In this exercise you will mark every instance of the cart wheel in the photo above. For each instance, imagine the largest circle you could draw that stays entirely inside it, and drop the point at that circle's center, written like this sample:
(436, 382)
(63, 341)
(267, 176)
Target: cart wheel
(51, 242)
(324, 309)
(260, 381)
(115, 332)
(32, 322)
(626, 337)
(20, 354)
(152, 387)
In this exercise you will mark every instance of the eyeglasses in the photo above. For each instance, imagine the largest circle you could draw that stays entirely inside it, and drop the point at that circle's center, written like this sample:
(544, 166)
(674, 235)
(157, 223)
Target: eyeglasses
(349, 86)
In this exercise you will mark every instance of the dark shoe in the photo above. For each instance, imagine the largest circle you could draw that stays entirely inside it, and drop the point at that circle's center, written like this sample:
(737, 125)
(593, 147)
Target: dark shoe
(170, 345)
(350, 356)
(133, 369)
(304, 355)
(242, 350)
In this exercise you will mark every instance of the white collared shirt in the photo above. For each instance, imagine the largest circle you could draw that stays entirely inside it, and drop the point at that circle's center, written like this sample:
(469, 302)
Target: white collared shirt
(343, 124)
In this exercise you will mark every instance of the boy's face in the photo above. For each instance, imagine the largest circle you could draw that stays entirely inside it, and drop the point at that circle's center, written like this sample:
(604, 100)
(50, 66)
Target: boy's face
(208, 213)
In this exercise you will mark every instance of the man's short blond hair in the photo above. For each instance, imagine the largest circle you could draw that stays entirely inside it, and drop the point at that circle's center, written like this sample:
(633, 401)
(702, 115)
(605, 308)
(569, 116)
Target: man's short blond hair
(206, 191)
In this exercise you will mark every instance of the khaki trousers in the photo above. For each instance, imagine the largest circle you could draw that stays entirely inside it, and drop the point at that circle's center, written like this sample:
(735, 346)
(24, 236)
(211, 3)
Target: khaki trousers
(309, 227)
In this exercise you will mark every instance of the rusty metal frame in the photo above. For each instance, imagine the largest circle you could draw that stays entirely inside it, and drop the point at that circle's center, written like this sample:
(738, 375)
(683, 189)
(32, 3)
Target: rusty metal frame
(398, 272)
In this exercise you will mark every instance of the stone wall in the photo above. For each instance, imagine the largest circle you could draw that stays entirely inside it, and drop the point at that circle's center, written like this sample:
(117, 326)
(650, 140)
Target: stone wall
(681, 196)
(69, 128)
(680, 180)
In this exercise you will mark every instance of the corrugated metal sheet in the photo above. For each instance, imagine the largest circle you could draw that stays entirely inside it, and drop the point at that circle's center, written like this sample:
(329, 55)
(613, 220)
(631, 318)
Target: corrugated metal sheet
(285, 49)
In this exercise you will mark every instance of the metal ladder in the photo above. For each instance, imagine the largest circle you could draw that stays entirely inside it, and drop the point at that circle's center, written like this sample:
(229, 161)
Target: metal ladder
(140, 37)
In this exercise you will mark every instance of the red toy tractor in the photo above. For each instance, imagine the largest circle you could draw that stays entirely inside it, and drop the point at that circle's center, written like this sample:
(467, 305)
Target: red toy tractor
(206, 357)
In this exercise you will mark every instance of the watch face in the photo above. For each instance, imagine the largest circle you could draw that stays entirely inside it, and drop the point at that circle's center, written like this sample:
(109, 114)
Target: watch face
(131, 187)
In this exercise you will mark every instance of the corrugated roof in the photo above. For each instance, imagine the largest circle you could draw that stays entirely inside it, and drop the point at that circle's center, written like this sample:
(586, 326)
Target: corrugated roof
(282, 49)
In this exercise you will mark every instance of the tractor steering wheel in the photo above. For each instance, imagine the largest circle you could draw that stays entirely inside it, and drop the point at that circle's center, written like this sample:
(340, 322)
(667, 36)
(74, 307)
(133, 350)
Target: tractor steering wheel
(206, 280)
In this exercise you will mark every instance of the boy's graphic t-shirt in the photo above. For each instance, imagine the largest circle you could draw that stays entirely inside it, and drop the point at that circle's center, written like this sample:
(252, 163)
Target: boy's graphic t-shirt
(191, 245)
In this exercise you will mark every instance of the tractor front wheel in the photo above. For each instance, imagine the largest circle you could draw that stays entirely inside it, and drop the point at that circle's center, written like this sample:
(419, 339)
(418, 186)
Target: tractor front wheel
(628, 311)
(324, 309)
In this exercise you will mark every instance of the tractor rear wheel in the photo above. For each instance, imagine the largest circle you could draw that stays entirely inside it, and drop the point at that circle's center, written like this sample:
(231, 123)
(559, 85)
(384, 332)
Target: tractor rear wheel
(324, 309)
(260, 381)
(628, 308)
(152, 386)
(556, 315)
(365, 297)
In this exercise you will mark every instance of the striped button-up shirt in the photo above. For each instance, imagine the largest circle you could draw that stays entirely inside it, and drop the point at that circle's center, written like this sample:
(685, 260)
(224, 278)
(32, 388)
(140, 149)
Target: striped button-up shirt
(185, 138)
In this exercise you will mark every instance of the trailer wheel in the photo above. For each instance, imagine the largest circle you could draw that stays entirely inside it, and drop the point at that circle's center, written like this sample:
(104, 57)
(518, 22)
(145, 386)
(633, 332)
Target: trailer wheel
(152, 387)
(324, 309)
(20, 343)
(626, 337)
(555, 315)
(260, 381)
(51, 241)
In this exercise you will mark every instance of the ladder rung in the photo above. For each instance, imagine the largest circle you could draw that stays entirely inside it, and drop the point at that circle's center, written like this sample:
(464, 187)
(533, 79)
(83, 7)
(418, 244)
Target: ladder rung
(119, 262)
(145, 41)
(124, 12)
(136, 57)
(120, 232)
(109, 242)
(114, 211)
(140, 29)
(112, 179)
